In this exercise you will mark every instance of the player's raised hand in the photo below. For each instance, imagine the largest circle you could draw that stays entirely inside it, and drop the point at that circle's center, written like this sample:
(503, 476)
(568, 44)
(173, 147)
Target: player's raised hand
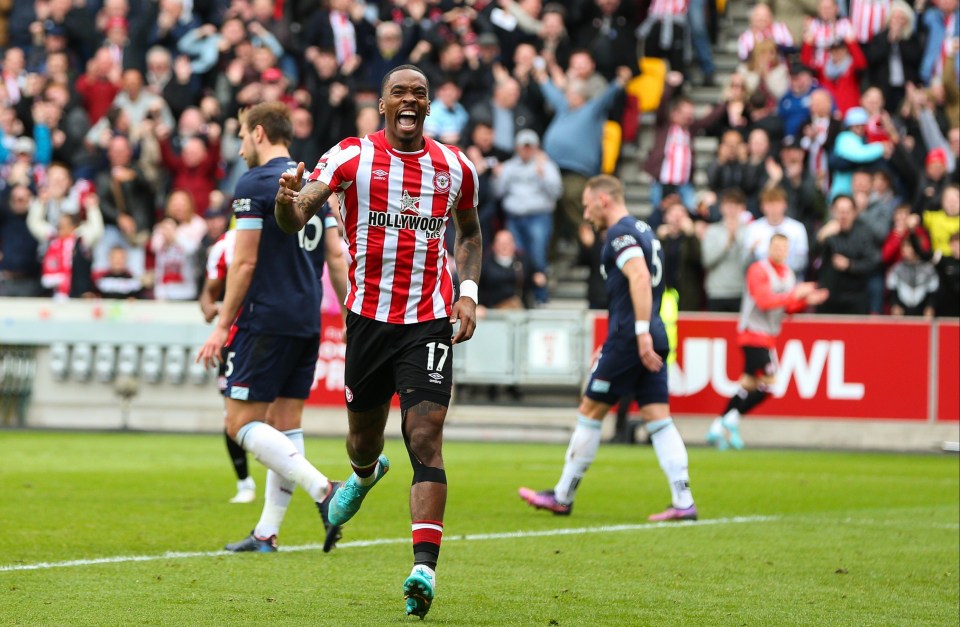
(651, 360)
(290, 185)
(464, 310)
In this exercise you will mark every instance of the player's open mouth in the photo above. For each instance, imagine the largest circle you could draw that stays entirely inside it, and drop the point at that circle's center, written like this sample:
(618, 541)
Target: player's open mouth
(407, 120)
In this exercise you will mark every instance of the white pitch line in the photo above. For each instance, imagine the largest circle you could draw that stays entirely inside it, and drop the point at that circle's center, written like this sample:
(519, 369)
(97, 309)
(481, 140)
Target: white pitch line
(172, 555)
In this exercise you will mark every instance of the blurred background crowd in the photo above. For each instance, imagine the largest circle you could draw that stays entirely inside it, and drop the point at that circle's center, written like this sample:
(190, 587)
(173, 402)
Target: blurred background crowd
(839, 126)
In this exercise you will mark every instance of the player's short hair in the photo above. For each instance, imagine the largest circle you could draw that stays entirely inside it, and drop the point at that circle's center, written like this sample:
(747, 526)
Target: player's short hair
(774, 194)
(733, 196)
(776, 236)
(405, 66)
(607, 184)
(273, 118)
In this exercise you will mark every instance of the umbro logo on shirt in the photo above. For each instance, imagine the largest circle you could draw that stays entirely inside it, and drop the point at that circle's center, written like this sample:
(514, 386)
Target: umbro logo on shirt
(379, 175)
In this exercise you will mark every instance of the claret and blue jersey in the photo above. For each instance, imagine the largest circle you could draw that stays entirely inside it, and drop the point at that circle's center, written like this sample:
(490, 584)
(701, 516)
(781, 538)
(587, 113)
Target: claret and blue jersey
(284, 294)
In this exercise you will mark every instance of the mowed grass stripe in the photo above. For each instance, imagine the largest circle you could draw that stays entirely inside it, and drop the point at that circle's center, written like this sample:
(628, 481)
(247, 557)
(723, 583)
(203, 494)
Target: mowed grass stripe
(172, 555)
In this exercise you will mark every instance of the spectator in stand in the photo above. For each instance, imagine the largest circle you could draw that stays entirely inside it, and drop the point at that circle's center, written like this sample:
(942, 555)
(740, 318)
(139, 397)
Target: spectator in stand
(851, 151)
(849, 256)
(128, 203)
(117, 41)
(805, 203)
(671, 159)
(904, 226)
(19, 265)
(773, 203)
(453, 63)
(195, 168)
(683, 268)
(819, 137)
(913, 284)
(839, 70)
(556, 43)
(447, 121)
(822, 32)
(763, 116)
(582, 68)
(503, 112)
(933, 181)
(893, 55)
(66, 258)
(664, 33)
(794, 106)
(524, 59)
(171, 22)
(507, 279)
(608, 32)
(99, 85)
(334, 111)
(942, 23)
(759, 169)
(304, 146)
(868, 17)
(723, 254)
(702, 46)
(943, 223)
(392, 49)
(137, 104)
(175, 242)
(726, 170)
(763, 27)
(573, 141)
(488, 160)
(529, 186)
(948, 270)
(766, 71)
(117, 281)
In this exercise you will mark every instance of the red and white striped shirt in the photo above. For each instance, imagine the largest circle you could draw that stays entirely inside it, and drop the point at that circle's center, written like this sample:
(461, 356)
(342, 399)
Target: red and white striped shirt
(395, 207)
(220, 256)
(677, 157)
(778, 32)
(666, 8)
(824, 34)
(868, 17)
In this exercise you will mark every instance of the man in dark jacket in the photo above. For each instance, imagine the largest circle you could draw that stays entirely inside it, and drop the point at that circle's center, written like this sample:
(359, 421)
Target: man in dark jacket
(849, 256)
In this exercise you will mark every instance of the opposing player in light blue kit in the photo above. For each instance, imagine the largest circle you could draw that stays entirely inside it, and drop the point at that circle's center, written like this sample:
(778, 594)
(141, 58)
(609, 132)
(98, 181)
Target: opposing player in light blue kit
(631, 361)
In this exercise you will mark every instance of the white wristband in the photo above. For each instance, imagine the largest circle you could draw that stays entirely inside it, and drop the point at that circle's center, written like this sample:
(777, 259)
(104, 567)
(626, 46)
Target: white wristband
(640, 327)
(470, 290)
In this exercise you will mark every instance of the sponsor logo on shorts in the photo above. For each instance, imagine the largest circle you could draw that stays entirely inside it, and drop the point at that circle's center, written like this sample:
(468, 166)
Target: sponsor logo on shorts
(348, 393)
(435, 377)
(239, 392)
(599, 386)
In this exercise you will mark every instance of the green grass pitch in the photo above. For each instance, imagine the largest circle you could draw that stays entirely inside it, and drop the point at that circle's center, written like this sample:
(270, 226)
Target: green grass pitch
(785, 538)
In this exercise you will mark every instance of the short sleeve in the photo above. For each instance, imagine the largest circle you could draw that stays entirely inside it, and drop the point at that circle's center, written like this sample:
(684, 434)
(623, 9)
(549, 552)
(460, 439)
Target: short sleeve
(337, 167)
(469, 186)
(247, 209)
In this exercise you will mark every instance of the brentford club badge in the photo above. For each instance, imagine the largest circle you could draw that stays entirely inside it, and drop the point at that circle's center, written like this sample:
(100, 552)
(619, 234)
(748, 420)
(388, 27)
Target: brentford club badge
(441, 182)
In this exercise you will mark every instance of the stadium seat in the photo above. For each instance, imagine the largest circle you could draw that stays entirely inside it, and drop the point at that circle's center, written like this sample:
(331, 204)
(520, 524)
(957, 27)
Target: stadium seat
(104, 363)
(648, 87)
(175, 364)
(128, 360)
(612, 138)
(59, 361)
(151, 364)
(81, 361)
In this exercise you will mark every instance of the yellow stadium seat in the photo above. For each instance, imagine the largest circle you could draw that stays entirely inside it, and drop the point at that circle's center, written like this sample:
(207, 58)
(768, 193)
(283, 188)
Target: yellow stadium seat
(648, 87)
(612, 138)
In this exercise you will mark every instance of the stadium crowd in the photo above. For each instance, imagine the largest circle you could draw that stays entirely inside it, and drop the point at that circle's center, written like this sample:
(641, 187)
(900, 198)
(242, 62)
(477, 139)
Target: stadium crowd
(841, 129)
